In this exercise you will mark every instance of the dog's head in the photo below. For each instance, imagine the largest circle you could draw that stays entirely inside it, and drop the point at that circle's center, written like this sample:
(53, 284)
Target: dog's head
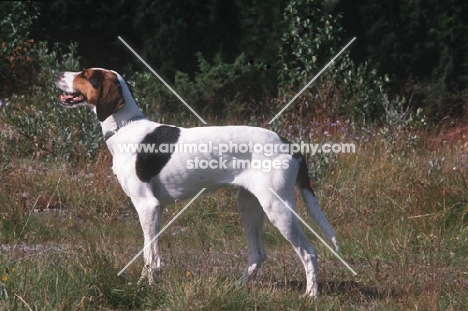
(94, 87)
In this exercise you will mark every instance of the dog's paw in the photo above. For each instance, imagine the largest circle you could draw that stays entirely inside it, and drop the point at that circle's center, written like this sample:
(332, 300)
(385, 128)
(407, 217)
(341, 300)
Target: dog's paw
(151, 275)
(335, 243)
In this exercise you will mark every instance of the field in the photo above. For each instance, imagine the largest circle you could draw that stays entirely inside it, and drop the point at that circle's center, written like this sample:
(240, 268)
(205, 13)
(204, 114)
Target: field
(378, 74)
(399, 207)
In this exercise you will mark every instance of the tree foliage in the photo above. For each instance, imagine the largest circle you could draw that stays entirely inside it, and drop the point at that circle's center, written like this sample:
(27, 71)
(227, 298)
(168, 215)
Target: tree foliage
(285, 42)
(311, 39)
(18, 62)
(422, 38)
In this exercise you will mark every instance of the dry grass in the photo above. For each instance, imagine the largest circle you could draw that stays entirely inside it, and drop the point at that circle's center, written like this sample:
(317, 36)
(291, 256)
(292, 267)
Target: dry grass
(400, 212)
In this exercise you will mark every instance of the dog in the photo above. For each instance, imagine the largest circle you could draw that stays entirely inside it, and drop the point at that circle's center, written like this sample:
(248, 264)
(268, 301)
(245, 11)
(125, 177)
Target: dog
(153, 179)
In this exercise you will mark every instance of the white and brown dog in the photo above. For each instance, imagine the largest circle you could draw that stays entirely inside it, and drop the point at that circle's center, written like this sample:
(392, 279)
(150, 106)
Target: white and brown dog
(154, 179)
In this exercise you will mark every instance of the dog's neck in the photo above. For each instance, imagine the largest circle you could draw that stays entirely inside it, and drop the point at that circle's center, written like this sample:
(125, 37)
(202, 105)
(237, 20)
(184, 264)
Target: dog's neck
(124, 116)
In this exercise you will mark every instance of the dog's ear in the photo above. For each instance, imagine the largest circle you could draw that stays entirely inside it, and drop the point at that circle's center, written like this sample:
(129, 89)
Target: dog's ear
(110, 97)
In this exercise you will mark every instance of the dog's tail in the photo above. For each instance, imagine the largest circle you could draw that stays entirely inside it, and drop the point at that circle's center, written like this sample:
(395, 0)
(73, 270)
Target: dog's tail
(313, 206)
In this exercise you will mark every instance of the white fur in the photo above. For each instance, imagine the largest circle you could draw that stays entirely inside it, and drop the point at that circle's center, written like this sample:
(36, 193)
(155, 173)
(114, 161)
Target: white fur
(176, 182)
(66, 82)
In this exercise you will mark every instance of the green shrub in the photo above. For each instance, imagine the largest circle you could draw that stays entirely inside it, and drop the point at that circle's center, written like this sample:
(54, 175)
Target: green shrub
(312, 38)
(218, 90)
(39, 126)
(18, 62)
(222, 89)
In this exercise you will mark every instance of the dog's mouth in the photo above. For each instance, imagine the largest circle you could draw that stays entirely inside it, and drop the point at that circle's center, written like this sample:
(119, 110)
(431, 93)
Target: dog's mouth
(72, 99)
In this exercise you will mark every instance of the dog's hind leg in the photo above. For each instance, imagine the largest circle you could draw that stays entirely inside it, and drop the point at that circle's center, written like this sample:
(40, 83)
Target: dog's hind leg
(288, 224)
(150, 215)
(252, 216)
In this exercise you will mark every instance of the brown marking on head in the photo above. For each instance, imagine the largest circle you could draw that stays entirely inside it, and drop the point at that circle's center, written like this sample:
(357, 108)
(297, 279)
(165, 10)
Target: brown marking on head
(101, 89)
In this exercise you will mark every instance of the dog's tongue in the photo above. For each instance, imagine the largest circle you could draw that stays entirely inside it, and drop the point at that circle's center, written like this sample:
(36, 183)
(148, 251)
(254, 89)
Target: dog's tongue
(65, 98)
(71, 98)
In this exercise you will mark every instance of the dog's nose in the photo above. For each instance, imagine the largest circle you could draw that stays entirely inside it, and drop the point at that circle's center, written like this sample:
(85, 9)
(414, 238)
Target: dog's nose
(57, 75)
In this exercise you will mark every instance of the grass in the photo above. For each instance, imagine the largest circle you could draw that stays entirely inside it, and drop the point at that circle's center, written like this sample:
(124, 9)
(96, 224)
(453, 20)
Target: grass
(400, 211)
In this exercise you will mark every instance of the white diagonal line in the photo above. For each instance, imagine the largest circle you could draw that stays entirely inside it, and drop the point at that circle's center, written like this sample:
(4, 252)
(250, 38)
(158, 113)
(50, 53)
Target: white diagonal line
(164, 82)
(315, 233)
(161, 231)
(313, 79)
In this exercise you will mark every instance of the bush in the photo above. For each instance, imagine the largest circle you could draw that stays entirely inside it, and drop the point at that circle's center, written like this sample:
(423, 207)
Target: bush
(218, 90)
(225, 90)
(38, 126)
(18, 62)
(312, 38)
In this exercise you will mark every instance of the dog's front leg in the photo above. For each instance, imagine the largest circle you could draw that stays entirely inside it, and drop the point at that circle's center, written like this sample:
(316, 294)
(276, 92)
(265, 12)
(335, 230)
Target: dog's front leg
(150, 214)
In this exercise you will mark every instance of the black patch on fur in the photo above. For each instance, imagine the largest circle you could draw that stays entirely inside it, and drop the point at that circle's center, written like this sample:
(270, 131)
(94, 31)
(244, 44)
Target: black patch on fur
(95, 78)
(303, 174)
(287, 142)
(150, 164)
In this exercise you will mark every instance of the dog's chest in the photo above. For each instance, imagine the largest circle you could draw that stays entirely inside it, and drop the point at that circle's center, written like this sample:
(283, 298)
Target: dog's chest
(125, 172)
